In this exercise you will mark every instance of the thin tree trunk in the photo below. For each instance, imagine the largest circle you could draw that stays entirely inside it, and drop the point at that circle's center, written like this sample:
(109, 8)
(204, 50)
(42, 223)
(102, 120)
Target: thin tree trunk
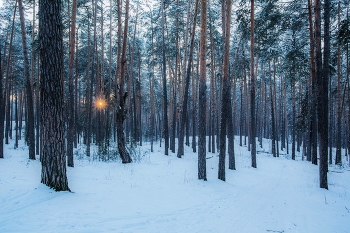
(195, 91)
(230, 134)
(174, 84)
(252, 88)
(165, 95)
(121, 110)
(272, 116)
(16, 120)
(275, 104)
(212, 91)
(153, 114)
(202, 171)
(30, 104)
(313, 127)
(1, 108)
(71, 100)
(322, 77)
(338, 159)
(7, 89)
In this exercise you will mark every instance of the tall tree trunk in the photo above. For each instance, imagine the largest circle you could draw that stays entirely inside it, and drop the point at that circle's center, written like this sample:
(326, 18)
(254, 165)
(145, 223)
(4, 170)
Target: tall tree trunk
(230, 133)
(272, 116)
(1, 108)
(165, 95)
(109, 90)
(338, 159)
(252, 88)
(275, 106)
(35, 90)
(71, 99)
(313, 126)
(5, 106)
(174, 85)
(30, 104)
(88, 94)
(131, 79)
(322, 88)
(77, 95)
(53, 158)
(195, 92)
(180, 150)
(121, 110)
(153, 114)
(212, 90)
(226, 88)
(202, 171)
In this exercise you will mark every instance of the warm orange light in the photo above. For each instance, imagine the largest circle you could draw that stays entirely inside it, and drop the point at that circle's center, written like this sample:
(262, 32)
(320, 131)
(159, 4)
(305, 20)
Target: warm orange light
(100, 103)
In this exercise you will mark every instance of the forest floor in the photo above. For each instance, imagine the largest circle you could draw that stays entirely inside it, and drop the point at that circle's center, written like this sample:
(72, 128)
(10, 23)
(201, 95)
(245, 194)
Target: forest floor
(158, 193)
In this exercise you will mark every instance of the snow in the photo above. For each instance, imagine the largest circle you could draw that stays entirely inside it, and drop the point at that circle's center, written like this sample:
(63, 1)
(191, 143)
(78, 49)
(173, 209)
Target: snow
(161, 193)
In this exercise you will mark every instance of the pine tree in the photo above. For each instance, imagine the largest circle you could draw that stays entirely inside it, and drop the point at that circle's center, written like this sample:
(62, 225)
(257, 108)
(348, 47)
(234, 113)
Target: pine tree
(53, 157)
(202, 173)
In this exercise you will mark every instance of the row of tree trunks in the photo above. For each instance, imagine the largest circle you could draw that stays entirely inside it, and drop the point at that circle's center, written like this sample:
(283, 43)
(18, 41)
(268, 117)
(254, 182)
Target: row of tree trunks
(30, 103)
(180, 151)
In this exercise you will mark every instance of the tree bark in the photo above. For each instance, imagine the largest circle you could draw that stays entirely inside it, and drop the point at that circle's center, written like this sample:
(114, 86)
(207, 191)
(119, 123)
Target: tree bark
(53, 157)
(272, 116)
(313, 125)
(322, 77)
(202, 172)
(165, 95)
(252, 88)
(121, 110)
(338, 159)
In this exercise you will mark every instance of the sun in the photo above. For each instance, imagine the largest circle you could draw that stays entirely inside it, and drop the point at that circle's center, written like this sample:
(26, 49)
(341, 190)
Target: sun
(100, 103)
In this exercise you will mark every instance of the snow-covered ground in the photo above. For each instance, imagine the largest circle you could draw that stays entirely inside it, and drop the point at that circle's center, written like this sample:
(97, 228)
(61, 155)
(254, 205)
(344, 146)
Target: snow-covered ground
(162, 194)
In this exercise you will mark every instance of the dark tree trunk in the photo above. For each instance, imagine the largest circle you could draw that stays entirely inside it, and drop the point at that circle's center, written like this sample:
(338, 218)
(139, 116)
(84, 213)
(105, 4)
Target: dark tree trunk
(230, 136)
(121, 110)
(272, 117)
(293, 118)
(313, 125)
(226, 88)
(30, 103)
(212, 92)
(1, 108)
(202, 172)
(195, 92)
(16, 120)
(153, 114)
(165, 95)
(322, 88)
(338, 159)
(174, 89)
(71, 99)
(53, 157)
(252, 88)
(88, 99)
(330, 130)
